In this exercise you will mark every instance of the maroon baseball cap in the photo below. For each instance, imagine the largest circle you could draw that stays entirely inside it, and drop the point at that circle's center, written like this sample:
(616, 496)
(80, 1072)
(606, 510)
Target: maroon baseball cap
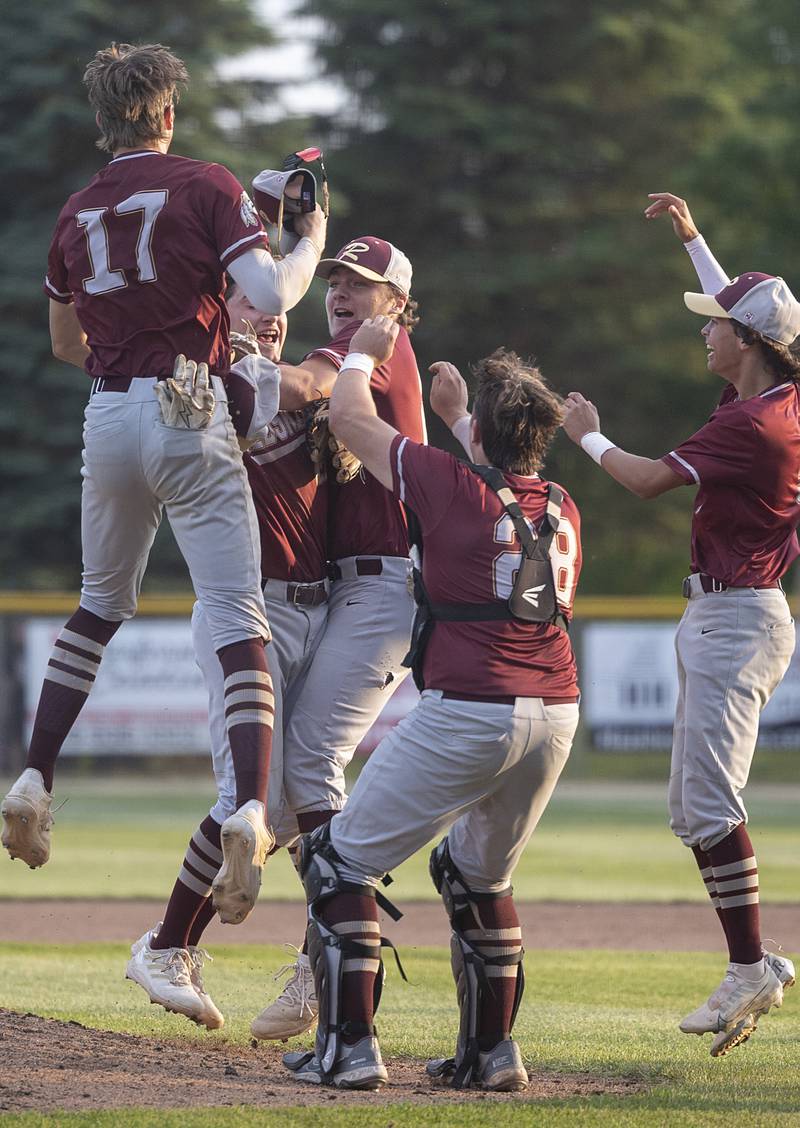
(760, 301)
(373, 258)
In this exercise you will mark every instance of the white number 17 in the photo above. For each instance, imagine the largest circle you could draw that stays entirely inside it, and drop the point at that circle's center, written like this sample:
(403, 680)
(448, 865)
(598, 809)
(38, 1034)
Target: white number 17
(103, 278)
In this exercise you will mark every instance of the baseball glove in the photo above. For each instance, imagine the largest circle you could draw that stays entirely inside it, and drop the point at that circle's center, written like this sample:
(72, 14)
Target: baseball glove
(244, 344)
(325, 449)
(186, 398)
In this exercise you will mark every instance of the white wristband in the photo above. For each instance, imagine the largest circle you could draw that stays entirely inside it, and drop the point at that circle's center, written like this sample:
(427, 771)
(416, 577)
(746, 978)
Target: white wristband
(360, 361)
(596, 445)
(461, 431)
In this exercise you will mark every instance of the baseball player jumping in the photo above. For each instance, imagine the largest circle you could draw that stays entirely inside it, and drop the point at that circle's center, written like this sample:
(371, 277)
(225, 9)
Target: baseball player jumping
(736, 637)
(480, 755)
(135, 277)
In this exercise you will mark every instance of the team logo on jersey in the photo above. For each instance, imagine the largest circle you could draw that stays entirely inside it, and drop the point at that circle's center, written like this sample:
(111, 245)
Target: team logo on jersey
(247, 211)
(531, 595)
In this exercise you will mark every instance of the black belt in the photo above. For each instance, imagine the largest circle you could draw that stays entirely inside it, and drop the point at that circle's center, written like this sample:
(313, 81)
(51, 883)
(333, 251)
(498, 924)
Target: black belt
(365, 566)
(304, 595)
(502, 699)
(118, 383)
(711, 586)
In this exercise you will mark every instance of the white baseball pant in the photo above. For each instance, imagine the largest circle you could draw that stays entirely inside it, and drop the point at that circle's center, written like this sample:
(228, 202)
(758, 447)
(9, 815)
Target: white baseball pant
(484, 770)
(356, 669)
(134, 468)
(733, 647)
(297, 630)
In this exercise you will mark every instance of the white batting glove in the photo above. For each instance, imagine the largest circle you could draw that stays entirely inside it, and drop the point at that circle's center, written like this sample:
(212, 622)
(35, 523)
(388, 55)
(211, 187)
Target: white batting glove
(187, 399)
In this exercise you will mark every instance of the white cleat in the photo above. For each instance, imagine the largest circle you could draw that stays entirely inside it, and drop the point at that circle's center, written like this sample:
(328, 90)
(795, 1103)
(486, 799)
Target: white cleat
(213, 1019)
(26, 813)
(295, 1009)
(728, 1040)
(733, 1010)
(166, 976)
(246, 841)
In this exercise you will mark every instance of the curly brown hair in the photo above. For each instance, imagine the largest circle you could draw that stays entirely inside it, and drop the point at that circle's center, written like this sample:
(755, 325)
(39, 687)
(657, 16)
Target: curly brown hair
(517, 413)
(783, 361)
(409, 318)
(129, 88)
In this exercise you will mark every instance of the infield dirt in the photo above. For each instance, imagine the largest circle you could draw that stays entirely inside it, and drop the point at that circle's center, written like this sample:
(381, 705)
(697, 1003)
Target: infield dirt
(50, 1065)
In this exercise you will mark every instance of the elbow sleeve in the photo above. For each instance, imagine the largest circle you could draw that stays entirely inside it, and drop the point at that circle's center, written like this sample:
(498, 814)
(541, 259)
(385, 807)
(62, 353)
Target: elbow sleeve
(275, 287)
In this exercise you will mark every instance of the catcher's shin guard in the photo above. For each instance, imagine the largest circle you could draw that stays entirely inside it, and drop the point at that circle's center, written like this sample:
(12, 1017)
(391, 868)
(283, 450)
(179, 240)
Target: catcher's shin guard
(473, 968)
(328, 950)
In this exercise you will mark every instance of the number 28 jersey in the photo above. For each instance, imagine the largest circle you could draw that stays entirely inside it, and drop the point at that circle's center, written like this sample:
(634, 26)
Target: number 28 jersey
(142, 251)
(471, 554)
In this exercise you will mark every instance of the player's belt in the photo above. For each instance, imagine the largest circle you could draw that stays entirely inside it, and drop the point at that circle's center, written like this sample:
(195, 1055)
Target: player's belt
(502, 699)
(302, 595)
(712, 586)
(118, 383)
(365, 566)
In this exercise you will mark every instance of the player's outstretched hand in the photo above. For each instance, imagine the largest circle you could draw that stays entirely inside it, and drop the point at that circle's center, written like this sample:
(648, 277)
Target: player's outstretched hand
(678, 210)
(376, 337)
(187, 399)
(449, 396)
(580, 416)
(313, 225)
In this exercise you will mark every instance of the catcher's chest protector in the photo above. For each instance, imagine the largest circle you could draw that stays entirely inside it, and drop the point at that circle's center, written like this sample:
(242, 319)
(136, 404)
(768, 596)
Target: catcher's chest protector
(533, 596)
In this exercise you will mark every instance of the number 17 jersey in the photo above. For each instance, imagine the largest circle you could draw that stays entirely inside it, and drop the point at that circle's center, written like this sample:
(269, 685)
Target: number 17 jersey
(142, 251)
(471, 554)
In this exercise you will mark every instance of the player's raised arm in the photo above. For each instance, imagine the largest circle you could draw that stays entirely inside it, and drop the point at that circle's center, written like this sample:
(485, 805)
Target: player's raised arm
(709, 272)
(645, 477)
(353, 418)
(276, 287)
(449, 399)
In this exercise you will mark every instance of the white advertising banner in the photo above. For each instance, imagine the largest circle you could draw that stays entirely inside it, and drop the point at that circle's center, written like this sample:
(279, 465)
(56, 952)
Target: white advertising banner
(148, 700)
(629, 686)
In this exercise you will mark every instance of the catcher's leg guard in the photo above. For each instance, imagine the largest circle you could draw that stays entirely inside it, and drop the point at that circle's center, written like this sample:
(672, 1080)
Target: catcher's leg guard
(331, 953)
(476, 961)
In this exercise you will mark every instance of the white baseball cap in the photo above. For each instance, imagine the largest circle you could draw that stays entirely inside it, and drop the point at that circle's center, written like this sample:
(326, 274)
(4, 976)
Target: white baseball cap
(760, 301)
(373, 258)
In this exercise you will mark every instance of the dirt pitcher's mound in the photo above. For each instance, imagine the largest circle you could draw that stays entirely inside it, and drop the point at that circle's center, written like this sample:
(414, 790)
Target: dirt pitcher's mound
(62, 1065)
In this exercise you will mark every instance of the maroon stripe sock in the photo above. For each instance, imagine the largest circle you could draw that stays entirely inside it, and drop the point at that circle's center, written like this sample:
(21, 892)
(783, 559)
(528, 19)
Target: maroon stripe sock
(190, 894)
(497, 1000)
(704, 863)
(251, 741)
(735, 877)
(60, 704)
(357, 986)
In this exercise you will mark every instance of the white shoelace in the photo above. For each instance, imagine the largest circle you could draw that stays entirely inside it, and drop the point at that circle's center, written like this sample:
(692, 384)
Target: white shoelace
(198, 956)
(175, 966)
(296, 990)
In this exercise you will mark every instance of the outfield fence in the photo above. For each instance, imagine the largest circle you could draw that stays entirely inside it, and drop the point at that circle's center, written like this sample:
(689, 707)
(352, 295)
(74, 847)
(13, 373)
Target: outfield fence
(149, 700)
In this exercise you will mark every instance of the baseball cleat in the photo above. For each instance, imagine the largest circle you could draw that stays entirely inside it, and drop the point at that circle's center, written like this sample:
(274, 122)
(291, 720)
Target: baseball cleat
(166, 976)
(357, 1067)
(246, 841)
(728, 1040)
(734, 1001)
(501, 1070)
(26, 813)
(295, 1009)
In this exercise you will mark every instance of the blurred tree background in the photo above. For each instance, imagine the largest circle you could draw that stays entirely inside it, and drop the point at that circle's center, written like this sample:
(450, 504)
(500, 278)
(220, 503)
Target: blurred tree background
(507, 148)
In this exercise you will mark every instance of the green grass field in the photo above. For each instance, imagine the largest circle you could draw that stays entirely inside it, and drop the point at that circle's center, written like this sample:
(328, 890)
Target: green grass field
(610, 1014)
(603, 1013)
(124, 838)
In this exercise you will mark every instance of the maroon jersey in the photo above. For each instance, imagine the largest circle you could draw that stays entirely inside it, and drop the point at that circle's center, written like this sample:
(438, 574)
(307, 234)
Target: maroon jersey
(471, 554)
(142, 251)
(746, 461)
(368, 521)
(291, 502)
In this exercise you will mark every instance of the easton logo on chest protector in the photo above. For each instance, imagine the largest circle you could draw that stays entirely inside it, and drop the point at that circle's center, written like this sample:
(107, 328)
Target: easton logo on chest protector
(533, 594)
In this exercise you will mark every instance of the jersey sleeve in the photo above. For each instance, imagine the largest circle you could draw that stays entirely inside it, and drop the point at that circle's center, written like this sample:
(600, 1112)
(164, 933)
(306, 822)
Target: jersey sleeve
(337, 349)
(721, 452)
(426, 479)
(56, 285)
(232, 217)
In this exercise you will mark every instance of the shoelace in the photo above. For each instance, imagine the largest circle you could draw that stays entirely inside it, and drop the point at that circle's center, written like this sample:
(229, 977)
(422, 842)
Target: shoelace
(296, 988)
(176, 967)
(198, 956)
